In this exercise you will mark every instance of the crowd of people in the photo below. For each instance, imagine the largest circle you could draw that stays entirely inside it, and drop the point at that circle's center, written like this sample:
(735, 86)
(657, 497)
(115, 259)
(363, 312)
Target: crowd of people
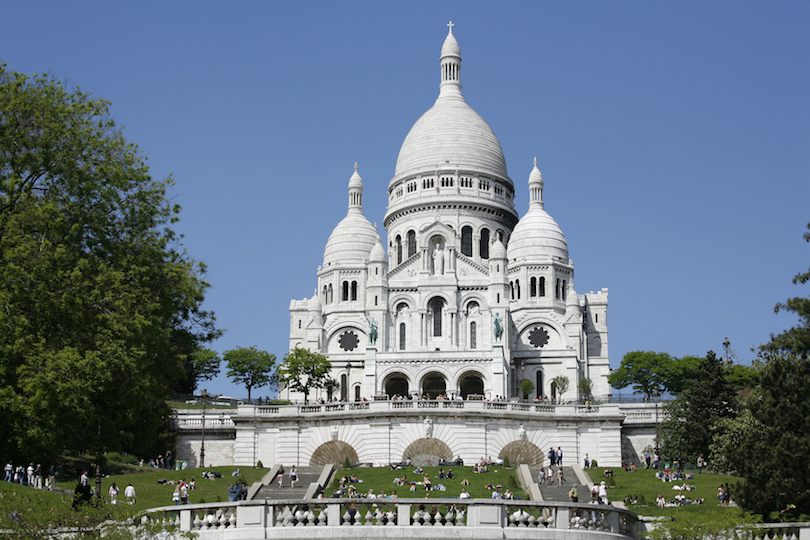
(31, 476)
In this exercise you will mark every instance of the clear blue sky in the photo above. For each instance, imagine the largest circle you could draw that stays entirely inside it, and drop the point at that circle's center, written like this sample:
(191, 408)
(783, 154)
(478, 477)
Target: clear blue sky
(673, 137)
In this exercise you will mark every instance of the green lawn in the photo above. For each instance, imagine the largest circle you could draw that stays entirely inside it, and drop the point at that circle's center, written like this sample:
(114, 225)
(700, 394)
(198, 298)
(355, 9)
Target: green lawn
(381, 479)
(643, 483)
(150, 493)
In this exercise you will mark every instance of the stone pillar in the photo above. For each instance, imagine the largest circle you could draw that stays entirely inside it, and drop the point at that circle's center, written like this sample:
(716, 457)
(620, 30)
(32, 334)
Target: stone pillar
(369, 383)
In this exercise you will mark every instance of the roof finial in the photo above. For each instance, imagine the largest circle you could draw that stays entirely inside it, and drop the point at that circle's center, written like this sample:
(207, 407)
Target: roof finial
(535, 162)
(355, 166)
(450, 25)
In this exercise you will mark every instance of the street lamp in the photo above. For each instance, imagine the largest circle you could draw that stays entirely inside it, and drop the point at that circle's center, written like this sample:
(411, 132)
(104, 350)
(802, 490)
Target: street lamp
(205, 397)
(656, 396)
(726, 344)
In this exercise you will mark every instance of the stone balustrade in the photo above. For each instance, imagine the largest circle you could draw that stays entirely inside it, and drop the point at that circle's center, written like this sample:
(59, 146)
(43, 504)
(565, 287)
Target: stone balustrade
(398, 518)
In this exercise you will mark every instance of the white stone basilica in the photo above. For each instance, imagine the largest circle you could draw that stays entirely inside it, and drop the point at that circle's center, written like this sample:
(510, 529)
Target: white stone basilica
(470, 299)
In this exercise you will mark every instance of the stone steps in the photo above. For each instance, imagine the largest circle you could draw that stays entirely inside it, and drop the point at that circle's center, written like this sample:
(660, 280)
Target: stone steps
(306, 475)
(557, 492)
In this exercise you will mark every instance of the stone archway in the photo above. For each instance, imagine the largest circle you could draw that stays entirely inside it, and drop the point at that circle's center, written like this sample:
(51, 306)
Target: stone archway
(522, 452)
(426, 452)
(333, 452)
(396, 384)
(434, 384)
(471, 383)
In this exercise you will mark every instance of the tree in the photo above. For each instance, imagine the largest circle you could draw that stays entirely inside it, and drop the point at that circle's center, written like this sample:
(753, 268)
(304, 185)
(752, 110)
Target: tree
(303, 371)
(769, 445)
(708, 397)
(330, 385)
(561, 383)
(526, 388)
(797, 339)
(649, 371)
(251, 367)
(585, 387)
(204, 365)
(99, 303)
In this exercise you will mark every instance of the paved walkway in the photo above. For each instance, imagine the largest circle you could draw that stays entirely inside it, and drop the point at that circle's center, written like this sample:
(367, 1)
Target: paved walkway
(555, 491)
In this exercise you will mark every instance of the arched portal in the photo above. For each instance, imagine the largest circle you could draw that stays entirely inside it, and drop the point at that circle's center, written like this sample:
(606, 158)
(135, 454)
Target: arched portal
(333, 452)
(471, 383)
(396, 385)
(427, 452)
(434, 384)
(522, 453)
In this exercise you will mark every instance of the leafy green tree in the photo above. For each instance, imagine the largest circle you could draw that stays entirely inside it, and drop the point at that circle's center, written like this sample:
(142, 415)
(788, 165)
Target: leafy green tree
(99, 303)
(797, 339)
(585, 387)
(526, 388)
(205, 365)
(561, 383)
(707, 398)
(303, 371)
(648, 371)
(251, 367)
(330, 385)
(769, 445)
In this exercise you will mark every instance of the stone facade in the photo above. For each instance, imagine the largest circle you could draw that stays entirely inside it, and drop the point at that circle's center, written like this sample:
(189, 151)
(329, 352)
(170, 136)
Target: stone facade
(464, 298)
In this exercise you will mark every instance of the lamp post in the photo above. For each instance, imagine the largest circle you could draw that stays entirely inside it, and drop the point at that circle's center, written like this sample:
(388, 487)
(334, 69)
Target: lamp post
(656, 396)
(348, 380)
(726, 345)
(205, 397)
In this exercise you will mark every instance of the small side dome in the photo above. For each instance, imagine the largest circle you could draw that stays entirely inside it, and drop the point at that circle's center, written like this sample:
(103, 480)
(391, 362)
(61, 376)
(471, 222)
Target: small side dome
(314, 303)
(351, 241)
(537, 236)
(498, 251)
(377, 253)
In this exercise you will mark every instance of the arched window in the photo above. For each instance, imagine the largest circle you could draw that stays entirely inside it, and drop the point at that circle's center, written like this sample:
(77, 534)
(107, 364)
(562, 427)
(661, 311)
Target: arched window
(325, 295)
(436, 307)
(533, 287)
(517, 288)
(539, 383)
(557, 290)
(542, 286)
(473, 336)
(511, 290)
(344, 387)
(357, 393)
(484, 244)
(345, 297)
(466, 241)
(354, 290)
(399, 249)
(401, 336)
(564, 293)
(411, 243)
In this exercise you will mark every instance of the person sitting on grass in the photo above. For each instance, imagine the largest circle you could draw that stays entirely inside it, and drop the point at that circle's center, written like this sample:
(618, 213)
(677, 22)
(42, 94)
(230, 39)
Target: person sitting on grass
(418, 470)
(426, 483)
(450, 474)
(465, 482)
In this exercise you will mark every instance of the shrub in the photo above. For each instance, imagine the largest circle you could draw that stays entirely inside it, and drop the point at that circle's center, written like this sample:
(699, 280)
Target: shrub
(642, 501)
(594, 464)
(259, 465)
(611, 482)
(506, 461)
(346, 464)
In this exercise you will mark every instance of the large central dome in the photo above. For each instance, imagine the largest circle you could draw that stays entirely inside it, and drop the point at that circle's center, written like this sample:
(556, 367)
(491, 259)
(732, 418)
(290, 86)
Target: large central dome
(451, 134)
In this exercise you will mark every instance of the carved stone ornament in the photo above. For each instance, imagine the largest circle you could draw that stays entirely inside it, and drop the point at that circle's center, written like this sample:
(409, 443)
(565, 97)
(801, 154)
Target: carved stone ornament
(538, 336)
(334, 433)
(428, 427)
(348, 341)
(522, 433)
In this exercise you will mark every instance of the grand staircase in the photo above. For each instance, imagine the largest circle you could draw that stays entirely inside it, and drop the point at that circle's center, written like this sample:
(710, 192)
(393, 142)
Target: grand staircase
(271, 491)
(557, 492)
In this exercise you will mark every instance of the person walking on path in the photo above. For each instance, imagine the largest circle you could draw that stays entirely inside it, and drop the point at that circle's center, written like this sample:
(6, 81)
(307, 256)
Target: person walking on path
(574, 494)
(280, 476)
(129, 493)
(113, 494)
(293, 476)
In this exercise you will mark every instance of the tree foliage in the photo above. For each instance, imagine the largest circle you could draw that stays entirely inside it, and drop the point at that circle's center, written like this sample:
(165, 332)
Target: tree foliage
(708, 396)
(526, 388)
(205, 364)
(769, 444)
(251, 367)
(303, 371)
(561, 383)
(99, 304)
(715, 526)
(648, 371)
(797, 339)
(585, 387)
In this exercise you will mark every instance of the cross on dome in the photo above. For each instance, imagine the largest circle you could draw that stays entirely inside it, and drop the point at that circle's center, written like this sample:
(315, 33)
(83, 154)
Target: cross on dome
(450, 25)
(355, 164)
(535, 162)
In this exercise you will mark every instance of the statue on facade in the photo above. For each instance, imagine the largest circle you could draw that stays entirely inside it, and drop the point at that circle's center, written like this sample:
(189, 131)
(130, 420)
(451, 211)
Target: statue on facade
(438, 260)
(498, 327)
(372, 330)
(428, 427)
(334, 433)
(522, 433)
